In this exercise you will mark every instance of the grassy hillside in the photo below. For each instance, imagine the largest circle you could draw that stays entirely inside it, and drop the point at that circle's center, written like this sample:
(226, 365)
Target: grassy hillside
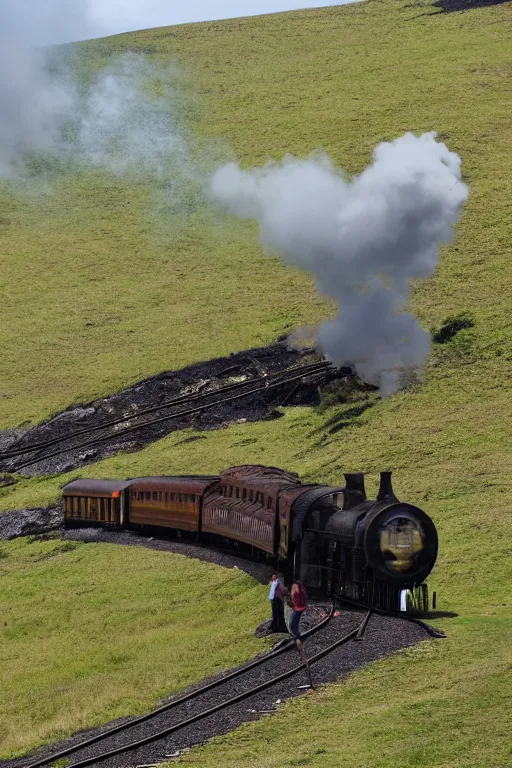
(342, 79)
(94, 632)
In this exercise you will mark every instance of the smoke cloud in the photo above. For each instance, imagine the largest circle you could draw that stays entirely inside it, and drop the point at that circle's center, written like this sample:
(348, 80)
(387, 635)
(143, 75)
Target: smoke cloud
(119, 121)
(123, 125)
(365, 239)
(33, 103)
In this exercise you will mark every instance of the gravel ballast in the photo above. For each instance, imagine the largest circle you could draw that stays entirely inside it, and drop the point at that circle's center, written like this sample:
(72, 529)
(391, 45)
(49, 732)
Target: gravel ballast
(258, 570)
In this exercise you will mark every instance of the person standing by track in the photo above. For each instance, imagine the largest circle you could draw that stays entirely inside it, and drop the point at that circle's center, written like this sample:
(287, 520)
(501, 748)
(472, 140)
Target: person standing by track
(299, 601)
(276, 596)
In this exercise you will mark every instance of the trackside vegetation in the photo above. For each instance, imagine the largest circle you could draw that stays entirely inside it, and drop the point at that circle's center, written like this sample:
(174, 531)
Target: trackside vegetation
(101, 294)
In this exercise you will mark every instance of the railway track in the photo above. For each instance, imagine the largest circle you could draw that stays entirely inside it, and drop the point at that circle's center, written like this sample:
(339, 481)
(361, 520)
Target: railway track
(121, 745)
(23, 456)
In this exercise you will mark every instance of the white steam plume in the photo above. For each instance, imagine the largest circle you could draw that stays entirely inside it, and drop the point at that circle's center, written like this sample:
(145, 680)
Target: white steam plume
(33, 103)
(118, 122)
(364, 239)
(123, 126)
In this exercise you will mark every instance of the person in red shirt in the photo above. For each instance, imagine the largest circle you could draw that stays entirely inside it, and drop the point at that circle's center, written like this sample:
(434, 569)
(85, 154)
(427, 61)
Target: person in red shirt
(299, 603)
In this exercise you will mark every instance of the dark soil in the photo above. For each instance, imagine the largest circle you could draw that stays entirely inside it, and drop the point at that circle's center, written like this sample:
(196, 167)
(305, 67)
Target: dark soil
(384, 635)
(204, 378)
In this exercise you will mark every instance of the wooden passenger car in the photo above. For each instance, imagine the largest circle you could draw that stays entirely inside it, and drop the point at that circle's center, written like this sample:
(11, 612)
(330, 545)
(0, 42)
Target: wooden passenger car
(169, 502)
(244, 506)
(96, 502)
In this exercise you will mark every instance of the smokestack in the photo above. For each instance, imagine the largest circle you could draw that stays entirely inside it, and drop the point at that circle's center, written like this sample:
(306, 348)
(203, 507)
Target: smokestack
(354, 489)
(386, 488)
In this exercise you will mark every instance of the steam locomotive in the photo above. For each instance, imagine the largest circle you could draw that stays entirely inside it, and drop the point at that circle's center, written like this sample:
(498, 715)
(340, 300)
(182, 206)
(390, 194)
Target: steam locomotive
(335, 539)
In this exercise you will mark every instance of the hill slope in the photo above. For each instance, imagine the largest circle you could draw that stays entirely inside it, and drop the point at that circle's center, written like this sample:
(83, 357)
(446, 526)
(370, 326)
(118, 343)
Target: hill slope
(342, 79)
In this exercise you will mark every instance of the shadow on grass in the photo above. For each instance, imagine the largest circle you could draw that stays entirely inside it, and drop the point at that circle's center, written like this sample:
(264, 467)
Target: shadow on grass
(449, 6)
(345, 419)
(439, 615)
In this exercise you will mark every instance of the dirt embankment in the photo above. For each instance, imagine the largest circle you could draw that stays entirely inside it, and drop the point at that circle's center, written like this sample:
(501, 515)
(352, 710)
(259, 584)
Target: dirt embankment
(130, 428)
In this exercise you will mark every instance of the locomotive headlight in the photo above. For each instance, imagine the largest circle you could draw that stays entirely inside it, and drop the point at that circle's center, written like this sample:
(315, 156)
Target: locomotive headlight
(401, 544)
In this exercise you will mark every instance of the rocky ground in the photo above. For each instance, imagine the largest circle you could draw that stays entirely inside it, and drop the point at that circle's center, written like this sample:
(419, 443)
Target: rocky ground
(30, 522)
(464, 5)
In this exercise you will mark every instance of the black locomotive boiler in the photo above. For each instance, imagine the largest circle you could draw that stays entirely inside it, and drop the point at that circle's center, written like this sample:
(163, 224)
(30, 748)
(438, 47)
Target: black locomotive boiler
(336, 540)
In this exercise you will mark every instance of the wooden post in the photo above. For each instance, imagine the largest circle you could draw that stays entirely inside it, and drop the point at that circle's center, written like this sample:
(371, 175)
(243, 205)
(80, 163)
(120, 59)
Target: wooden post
(305, 661)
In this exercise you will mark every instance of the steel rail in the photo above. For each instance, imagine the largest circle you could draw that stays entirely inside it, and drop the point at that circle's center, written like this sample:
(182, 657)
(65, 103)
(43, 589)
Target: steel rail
(245, 695)
(309, 369)
(169, 417)
(187, 697)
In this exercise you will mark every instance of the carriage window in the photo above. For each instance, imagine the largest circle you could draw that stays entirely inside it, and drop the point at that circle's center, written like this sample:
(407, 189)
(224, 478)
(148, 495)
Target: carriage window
(93, 508)
(238, 493)
(244, 493)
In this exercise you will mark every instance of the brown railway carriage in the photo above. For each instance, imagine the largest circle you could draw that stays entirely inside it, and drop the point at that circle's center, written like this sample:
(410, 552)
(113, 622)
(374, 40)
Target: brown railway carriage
(244, 505)
(267, 508)
(264, 507)
(96, 502)
(169, 502)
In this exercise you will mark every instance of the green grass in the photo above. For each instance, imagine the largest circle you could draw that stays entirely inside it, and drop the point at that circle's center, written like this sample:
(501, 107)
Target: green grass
(93, 632)
(164, 291)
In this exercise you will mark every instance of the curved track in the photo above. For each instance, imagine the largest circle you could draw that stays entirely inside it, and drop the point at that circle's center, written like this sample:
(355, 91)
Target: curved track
(34, 453)
(288, 646)
(245, 694)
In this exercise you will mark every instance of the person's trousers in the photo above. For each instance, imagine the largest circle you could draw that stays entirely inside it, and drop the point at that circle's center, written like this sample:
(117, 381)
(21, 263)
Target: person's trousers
(278, 622)
(293, 626)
